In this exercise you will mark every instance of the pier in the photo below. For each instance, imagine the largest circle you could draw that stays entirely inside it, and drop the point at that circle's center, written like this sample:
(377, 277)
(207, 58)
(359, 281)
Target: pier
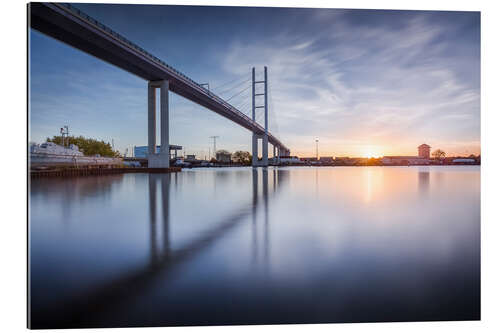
(71, 172)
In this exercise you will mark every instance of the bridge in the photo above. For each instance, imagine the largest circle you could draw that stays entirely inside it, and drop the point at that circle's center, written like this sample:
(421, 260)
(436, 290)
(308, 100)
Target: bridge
(71, 26)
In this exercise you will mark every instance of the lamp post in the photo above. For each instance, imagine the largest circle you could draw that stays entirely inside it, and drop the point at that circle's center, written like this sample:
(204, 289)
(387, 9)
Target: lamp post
(317, 157)
(64, 135)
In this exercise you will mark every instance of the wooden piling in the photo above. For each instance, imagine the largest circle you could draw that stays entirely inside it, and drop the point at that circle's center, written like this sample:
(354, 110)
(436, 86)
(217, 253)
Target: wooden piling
(97, 171)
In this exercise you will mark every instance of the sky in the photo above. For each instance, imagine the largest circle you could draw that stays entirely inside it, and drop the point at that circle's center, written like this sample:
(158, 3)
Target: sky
(365, 83)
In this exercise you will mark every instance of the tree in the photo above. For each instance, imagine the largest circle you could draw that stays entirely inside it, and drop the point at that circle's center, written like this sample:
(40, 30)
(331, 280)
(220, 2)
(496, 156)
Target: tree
(242, 157)
(87, 146)
(438, 154)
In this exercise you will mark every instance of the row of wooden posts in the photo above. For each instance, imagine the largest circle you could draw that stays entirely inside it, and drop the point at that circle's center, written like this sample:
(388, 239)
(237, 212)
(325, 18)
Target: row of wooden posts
(70, 172)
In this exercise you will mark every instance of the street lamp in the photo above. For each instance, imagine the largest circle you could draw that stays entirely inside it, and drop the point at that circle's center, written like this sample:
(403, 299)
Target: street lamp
(64, 132)
(317, 157)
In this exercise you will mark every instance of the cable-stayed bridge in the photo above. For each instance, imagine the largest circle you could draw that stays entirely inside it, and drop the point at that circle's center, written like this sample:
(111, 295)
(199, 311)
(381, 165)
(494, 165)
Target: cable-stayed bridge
(73, 27)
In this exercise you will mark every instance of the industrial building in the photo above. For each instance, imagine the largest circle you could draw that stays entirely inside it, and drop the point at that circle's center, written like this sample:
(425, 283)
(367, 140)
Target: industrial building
(326, 160)
(190, 158)
(290, 160)
(404, 160)
(423, 157)
(142, 151)
(464, 161)
(224, 157)
(350, 160)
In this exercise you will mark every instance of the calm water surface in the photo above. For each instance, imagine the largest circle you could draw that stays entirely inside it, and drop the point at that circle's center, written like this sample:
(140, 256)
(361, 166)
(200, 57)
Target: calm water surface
(243, 246)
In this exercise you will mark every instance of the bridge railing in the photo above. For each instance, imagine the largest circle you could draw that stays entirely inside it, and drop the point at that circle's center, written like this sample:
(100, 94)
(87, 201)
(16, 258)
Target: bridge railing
(179, 75)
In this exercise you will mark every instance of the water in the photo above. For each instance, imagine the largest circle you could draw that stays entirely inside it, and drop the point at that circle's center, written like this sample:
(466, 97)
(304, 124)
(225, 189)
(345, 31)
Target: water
(243, 246)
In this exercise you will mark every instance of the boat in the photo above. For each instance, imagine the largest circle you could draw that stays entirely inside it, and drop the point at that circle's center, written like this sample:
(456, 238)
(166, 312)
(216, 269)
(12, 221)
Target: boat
(50, 154)
(51, 148)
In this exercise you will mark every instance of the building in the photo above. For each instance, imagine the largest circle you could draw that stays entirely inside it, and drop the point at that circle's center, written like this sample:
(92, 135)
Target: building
(290, 160)
(224, 157)
(404, 160)
(464, 161)
(190, 158)
(283, 159)
(350, 160)
(423, 157)
(424, 151)
(326, 160)
(142, 151)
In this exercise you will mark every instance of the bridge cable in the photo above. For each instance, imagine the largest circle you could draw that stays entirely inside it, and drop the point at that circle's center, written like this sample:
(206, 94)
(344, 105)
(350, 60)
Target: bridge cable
(245, 99)
(226, 83)
(245, 110)
(235, 86)
(241, 101)
(238, 93)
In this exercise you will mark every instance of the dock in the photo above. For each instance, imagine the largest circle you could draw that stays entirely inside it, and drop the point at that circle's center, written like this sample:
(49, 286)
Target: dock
(71, 172)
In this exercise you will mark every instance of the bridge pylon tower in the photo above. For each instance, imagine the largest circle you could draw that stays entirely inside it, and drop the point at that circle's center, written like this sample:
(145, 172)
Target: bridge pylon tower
(264, 137)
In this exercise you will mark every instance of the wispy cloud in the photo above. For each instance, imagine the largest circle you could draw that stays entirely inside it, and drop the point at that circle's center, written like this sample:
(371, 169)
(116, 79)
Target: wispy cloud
(352, 78)
(375, 84)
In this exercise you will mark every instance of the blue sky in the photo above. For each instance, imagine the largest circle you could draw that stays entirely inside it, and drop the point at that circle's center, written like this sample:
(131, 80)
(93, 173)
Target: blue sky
(365, 82)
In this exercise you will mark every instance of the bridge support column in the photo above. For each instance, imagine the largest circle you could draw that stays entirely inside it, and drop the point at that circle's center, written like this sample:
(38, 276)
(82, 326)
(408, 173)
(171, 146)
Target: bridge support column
(255, 151)
(265, 153)
(151, 120)
(162, 158)
(265, 145)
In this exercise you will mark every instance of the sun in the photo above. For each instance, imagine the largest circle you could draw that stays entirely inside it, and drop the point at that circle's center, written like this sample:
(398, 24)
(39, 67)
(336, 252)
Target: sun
(371, 151)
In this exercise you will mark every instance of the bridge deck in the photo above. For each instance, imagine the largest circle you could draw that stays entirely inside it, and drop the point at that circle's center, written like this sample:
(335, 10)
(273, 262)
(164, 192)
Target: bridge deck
(73, 27)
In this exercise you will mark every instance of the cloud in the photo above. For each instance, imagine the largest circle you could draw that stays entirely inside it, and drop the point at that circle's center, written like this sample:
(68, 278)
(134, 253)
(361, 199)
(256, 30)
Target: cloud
(375, 84)
(353, 78)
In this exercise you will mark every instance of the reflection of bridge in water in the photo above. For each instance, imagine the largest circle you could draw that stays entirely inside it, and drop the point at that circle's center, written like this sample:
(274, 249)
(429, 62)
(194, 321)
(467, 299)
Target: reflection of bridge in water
(82, 310)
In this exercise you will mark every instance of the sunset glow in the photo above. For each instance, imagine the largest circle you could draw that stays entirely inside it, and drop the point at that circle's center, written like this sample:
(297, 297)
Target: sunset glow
(371, 151)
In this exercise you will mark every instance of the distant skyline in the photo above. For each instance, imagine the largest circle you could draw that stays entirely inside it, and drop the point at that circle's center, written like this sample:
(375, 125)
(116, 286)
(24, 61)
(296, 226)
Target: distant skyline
(365, 82)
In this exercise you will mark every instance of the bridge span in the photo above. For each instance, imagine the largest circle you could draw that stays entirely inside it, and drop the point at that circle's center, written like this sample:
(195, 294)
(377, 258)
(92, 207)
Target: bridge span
(73, 27)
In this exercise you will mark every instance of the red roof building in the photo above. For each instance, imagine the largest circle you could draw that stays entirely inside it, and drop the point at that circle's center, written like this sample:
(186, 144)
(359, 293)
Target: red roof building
(424, 151)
